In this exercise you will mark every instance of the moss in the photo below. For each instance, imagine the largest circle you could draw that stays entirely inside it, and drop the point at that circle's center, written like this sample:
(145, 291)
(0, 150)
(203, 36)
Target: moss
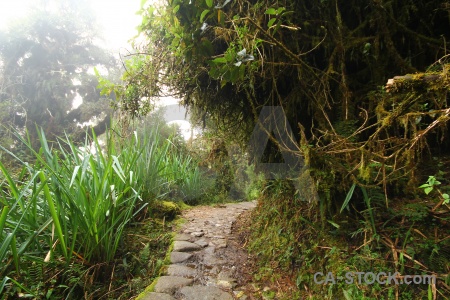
(147, 290)
(165, 209)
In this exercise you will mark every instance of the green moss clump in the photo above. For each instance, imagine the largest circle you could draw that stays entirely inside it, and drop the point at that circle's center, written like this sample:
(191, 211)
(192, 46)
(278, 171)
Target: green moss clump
(165, 209)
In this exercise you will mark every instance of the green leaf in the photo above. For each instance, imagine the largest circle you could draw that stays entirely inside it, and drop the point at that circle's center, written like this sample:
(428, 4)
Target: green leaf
(204, 13)
(334, 224)
(234, 74)
(241, 72)
(280, 10)
(209, 3)
(349, 196)
(347, 295)
(428, 190)
(230, 55)
(221, 17)
(176, 9)
(220, 60)
(271, 21)
(271, 11)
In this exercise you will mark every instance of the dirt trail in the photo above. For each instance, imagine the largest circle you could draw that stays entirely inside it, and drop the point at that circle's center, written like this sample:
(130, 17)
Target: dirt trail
(207, 261)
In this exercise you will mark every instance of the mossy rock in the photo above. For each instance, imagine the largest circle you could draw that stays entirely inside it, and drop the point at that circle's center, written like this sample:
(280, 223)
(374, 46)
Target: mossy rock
(165, 209)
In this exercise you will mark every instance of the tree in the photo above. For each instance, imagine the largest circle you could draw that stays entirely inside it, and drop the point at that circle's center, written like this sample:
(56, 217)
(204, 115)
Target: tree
(47, 61)
(324, 62)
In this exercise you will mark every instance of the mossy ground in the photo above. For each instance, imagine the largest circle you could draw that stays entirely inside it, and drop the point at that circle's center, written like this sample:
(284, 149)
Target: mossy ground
(289, 249)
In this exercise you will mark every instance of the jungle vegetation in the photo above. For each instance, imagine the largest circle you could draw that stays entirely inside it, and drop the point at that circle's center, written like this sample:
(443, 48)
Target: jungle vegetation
(364, 86)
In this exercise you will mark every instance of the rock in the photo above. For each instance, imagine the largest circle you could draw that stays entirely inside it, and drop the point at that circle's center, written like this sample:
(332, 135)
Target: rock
(198, 233)
(225, 284)
(179, 257)
(181, 270)
(225, 275)
(204, 293)
(182, 237)
(169, 284)
(220, 243)
(182, 246)
(157, 296)
(202, 243)
(210, 250)
(211, 260)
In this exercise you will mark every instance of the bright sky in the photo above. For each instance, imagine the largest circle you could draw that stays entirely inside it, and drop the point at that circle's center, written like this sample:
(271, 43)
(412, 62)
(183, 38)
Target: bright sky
(118, 17)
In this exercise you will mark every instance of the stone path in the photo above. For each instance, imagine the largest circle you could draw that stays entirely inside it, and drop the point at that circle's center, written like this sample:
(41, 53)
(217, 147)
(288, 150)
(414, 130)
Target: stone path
(206, 263)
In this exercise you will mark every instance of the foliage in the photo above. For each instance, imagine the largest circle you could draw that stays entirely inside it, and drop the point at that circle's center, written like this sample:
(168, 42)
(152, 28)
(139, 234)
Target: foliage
(291, 246)
(432, 184)
(326, 63)
(72, 205)
(322, 61)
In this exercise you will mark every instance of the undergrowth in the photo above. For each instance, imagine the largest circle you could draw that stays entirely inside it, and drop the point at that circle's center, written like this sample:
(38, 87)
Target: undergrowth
(291, 246)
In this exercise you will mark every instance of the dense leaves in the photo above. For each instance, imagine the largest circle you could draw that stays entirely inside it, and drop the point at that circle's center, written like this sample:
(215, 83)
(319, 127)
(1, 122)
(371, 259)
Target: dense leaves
(324, 62)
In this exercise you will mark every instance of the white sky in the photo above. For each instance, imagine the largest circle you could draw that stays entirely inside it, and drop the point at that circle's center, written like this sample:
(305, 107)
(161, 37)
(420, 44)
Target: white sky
(118, 17)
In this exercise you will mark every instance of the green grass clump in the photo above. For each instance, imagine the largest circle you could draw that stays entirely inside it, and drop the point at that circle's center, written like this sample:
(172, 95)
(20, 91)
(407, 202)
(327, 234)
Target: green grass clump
(71, 204)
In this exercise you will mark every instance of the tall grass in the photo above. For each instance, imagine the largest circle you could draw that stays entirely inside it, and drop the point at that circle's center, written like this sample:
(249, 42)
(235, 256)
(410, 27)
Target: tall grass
(69, 203)
(166, 170)
(72, 203)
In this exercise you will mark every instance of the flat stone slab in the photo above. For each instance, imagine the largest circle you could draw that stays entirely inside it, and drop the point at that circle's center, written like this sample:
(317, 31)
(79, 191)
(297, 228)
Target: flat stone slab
(198, 292)
(202, 243)
(212, 260)
(182, 237)
(157, 296)
(179, 257)
(181, 270)
(169, 284)
(182, 246)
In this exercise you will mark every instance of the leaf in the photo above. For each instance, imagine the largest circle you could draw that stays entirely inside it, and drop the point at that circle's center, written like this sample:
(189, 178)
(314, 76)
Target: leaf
(242, 72)
(271, 21)
(220, 60)
(349, 196)
(221, 17)
(280, 10)
(176, 9)
(74, 174)
(234, 74)
(143, 3)
(334, 224)
(204, 13)
(271, 11)
(347, 295)
(428, 190)
(209, 3)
